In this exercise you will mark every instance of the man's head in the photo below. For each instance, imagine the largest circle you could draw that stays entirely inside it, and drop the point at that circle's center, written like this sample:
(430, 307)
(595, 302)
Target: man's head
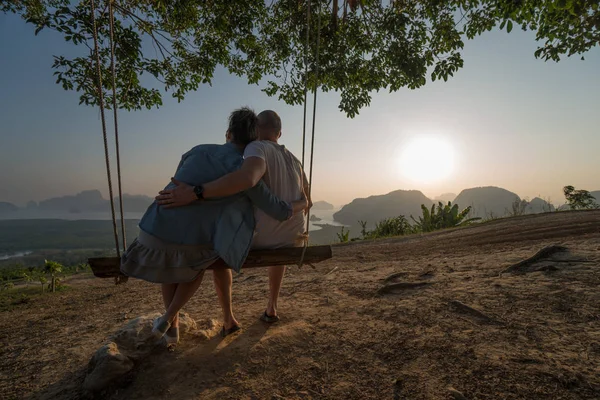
(242, 127)
(269, 125)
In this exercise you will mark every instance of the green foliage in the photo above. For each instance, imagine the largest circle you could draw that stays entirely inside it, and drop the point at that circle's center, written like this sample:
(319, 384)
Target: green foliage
(439, 217)
(18, 295)
(42, 278)
(363, 229)
(344, 235)
(579, 199)
(365, 46)
(27, 276)
(395, 226)
(52, 268)
(443, 216)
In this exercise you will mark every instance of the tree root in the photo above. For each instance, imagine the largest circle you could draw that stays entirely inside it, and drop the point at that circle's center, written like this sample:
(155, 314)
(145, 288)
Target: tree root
(522, 266)
(456, 395)
(397, 288)
(470, 311)
(394, 276)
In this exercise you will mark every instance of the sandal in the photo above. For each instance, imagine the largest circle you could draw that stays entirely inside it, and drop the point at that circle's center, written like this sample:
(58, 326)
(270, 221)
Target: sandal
(160, 327)
(227, 332)
(269, 319)
(172, 336)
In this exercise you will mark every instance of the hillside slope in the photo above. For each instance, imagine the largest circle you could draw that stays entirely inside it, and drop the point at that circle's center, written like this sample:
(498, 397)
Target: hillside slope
(536, 335)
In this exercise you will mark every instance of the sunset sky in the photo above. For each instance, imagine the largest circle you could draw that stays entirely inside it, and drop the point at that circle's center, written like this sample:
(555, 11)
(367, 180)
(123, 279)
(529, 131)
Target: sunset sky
(506, 120)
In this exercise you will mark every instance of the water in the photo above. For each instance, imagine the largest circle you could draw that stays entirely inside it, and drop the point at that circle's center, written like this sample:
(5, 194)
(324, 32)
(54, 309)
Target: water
(326, 218)
(14, 255)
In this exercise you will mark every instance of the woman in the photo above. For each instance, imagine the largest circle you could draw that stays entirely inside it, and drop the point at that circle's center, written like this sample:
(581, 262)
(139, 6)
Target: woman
(175, 246)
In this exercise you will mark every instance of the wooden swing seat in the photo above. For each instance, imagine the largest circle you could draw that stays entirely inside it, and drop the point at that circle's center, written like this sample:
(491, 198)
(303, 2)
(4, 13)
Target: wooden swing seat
(110, 267)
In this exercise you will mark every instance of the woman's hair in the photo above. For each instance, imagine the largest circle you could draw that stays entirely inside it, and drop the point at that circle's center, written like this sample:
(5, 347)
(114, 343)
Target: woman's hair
(242, 126)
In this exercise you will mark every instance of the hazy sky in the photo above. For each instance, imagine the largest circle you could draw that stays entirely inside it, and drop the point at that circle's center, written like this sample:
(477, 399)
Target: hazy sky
(513, 121)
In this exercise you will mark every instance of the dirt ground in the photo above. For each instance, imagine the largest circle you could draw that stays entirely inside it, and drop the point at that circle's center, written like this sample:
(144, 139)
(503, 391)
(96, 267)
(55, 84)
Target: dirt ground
(453, 321)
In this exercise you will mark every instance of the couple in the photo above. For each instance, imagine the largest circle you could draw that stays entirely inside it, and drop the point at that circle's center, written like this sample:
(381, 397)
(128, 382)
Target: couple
(222, 201)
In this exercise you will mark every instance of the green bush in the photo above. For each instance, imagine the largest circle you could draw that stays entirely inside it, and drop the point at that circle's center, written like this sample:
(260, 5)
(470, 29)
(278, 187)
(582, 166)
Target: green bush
(579, 199)
(344, 235)
(395, 226)
(443, 217)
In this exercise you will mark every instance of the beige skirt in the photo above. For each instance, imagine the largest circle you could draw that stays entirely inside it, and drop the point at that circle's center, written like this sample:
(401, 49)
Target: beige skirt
(154, 260)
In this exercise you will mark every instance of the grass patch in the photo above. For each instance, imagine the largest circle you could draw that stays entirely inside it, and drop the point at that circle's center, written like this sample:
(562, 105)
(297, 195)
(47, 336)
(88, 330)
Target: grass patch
(26, 294)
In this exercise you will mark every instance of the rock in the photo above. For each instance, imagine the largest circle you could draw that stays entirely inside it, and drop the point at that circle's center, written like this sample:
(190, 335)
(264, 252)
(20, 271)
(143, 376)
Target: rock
(135, 339)
(130, 344)
(105, 367)
(207, 329)
(187, 324)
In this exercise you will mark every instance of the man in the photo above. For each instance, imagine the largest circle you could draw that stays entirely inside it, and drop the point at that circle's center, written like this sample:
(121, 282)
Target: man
(175, 246)
(282, 173)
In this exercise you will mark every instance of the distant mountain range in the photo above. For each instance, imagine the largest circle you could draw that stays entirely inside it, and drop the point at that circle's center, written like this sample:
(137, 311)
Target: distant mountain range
(445, 198)
(375, 208)
(83, 202)
(7, 207)
(485, 202)
(537, 205)
(91, 201)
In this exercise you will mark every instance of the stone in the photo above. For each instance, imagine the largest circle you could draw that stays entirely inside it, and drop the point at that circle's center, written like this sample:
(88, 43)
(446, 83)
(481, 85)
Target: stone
(131, 344)
(105, 367)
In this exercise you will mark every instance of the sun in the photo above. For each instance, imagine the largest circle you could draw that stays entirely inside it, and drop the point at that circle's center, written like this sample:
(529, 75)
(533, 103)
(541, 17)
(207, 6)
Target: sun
(427, 159)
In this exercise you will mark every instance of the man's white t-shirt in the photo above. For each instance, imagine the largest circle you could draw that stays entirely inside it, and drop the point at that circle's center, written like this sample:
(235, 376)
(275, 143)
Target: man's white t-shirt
(284, 177)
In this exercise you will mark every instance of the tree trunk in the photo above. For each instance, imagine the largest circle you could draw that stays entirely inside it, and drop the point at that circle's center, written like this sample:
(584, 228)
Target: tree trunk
(53, 283)
(334, 14)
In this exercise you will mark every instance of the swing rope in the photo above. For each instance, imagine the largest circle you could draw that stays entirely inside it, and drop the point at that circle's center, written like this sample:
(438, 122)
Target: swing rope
(312, 145)
(102, 117)
(114, 91)
(306, 48)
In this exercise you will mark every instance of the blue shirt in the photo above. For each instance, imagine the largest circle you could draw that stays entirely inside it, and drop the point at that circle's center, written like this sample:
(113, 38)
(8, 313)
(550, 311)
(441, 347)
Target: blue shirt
(226, 223)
